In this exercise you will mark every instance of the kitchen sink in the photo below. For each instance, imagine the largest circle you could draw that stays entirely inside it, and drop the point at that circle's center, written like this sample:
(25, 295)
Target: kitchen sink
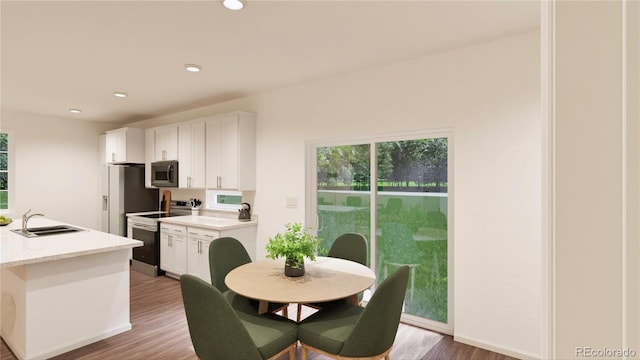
(48, 230)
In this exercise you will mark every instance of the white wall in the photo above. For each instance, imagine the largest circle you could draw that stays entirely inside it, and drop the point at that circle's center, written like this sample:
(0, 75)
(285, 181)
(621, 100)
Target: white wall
(489, 95)
(596, 123)
(57, 168)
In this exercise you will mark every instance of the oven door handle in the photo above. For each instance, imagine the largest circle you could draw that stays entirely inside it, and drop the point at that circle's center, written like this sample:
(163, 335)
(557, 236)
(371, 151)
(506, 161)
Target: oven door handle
(145, 227)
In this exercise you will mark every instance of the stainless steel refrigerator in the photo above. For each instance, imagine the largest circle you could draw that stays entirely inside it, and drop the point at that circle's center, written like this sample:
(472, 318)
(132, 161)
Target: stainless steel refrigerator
(123, 192)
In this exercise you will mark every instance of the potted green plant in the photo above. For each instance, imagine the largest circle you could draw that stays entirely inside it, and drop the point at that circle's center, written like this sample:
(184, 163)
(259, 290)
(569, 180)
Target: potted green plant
(294, 245)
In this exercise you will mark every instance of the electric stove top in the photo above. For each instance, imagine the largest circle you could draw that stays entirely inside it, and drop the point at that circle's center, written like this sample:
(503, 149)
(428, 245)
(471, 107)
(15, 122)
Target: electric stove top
(161, 215)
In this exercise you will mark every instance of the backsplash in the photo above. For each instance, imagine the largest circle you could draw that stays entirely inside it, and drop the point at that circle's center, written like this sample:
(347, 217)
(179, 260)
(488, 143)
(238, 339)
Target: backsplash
(223, 214)
(187, 194)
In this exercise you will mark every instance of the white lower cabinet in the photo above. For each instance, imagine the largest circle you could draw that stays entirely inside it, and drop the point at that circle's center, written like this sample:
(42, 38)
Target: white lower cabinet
(185, 249)
(173, 249)
(130, 235)
(198, 252)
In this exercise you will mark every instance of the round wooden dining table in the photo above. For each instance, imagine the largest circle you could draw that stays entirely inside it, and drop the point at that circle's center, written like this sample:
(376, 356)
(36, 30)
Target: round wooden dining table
(325, 279)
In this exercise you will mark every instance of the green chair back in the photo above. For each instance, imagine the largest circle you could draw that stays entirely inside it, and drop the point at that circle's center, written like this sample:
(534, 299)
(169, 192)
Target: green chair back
(350, 246)
(376, 328)
(215, 328)
(225, 254)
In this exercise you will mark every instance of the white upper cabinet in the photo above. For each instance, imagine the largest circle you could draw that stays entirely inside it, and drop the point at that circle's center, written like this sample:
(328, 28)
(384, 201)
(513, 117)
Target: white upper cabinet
(149, 154)
(166, 147)
(231, 151)
(125, 145)
(191, 154)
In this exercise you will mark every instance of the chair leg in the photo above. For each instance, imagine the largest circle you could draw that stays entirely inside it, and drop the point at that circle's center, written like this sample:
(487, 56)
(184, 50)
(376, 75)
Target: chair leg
(292, 352)
(413, 278)
(285, 312)
(299, 311)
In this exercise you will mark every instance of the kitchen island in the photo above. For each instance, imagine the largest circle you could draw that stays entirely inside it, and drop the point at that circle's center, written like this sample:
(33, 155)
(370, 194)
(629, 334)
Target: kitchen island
(64, 291)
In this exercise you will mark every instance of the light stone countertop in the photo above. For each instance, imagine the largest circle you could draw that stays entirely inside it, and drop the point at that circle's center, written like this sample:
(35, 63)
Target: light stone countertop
(18, 250)
(208, 222)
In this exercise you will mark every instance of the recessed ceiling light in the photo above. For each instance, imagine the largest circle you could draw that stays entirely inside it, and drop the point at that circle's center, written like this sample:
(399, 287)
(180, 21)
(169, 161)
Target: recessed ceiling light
(192, 68)
(233, 4)
(120, 94)
(75, 111)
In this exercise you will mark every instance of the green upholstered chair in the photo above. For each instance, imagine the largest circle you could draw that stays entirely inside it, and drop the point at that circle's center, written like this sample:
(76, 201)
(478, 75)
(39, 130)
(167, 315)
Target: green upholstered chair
(219, 332)
(348, 331)
(349, 246)
(226, 254)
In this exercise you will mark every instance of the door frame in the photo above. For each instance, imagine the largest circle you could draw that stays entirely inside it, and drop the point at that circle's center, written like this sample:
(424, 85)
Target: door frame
(311, 217)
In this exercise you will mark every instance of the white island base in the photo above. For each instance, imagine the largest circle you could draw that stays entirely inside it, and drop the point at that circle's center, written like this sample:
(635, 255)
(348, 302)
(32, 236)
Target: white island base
(51, 307)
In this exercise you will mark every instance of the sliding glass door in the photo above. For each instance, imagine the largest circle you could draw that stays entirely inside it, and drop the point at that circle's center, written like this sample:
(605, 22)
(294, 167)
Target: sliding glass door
(343, 197)
(412, 221)
(404, 216)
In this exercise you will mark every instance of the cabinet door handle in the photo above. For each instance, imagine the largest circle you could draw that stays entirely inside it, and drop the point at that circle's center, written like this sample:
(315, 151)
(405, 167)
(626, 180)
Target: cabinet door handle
(170, 238)
(113, 156)
(209, 236)
(219, 182)
(199, 247)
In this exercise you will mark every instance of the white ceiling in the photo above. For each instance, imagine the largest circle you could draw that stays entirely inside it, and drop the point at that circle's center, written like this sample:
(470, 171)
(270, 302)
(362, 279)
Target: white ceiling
(58, 55)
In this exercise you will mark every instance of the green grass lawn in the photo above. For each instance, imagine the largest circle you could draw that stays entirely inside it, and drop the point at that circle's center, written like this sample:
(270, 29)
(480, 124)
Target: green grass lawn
(427, 247)
(431, 295)
(4, 200)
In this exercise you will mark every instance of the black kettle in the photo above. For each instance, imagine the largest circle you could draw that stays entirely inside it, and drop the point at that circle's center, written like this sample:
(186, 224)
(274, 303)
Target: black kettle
(245, 212)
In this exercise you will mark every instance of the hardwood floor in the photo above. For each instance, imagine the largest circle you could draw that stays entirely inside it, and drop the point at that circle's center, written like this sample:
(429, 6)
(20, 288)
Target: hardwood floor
(160, 332)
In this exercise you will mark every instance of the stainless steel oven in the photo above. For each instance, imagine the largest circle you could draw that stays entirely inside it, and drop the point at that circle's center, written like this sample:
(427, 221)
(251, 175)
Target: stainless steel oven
(146, 258)
(146, 228)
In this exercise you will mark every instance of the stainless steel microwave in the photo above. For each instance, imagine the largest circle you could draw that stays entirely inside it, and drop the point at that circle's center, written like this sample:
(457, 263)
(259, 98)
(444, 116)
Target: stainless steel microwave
(164, 173)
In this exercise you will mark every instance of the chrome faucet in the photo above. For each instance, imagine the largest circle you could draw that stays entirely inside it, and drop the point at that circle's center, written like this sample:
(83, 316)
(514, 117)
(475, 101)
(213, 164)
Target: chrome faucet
(25, 220)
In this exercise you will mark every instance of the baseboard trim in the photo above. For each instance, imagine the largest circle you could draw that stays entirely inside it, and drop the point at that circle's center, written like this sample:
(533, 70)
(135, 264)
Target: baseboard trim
(80, 343)
(17, 351)
(495, 348)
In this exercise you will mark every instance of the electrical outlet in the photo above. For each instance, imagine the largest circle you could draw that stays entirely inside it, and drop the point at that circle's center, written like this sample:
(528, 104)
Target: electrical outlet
(292, 202)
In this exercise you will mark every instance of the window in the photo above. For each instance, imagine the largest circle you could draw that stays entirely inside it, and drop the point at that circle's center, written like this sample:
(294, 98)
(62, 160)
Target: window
(4, 171)
(223, 200)
(395, 191)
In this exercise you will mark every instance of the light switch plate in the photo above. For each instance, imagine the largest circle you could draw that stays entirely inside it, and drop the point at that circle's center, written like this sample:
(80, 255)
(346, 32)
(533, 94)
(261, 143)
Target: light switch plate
(292, 202)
